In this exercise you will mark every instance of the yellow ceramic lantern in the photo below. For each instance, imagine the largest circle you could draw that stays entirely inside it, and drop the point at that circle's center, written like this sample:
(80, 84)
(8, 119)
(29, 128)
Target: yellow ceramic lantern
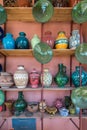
(61, 41)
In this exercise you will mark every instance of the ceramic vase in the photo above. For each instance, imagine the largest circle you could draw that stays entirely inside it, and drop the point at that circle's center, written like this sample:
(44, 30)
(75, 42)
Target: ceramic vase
(48, 39)
(74, 40)
(76, 77)
(35, 40)
(22, 42)
(20, 104)
(61, 77)
(61, 41)
(21, 77)
(46, 78)
(8, 41)
(1, 33)
(34, 78)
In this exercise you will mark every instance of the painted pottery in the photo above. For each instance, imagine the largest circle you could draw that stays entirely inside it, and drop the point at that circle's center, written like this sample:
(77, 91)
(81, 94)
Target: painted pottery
(76, 77)
(61, 41)
(21, 41)
(42, 106)
(74, 40)
(51, 110)
(63, 111)
(46, 78)
(6, 79)
(34, 78)
(47, 38)
(8, 104)
(8, 41)
(20, 104)
(35, 40)
(32, 106)
(72, 109)
(21, 77)
(61, 78)
(3, 15)
(59, 103)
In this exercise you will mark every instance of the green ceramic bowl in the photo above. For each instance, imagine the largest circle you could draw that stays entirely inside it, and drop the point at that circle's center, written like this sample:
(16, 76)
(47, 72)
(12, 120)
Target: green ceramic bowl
(42, 11)
(79, 12)
(43, 53)
(81, 53)
(79, 97)
(3, 15)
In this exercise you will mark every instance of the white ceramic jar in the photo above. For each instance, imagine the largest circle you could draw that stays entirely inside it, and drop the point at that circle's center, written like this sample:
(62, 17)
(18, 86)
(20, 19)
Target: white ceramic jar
(46, 78)
(21, 77)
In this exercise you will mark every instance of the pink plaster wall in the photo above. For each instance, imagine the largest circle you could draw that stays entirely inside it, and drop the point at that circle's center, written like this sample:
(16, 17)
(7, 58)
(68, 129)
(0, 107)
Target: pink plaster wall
(30, 29)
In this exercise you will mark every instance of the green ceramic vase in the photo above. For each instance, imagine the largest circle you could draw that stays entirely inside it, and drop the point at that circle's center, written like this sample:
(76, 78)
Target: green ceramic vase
(61, 78)
(20, 104)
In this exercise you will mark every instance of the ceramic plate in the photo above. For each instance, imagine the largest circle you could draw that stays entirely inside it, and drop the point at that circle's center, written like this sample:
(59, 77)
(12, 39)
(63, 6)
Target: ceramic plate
(79, 97)
(42, 11)
(81, 53)
(43, 53)
(2, 97)
(3, 15)
(79, 12)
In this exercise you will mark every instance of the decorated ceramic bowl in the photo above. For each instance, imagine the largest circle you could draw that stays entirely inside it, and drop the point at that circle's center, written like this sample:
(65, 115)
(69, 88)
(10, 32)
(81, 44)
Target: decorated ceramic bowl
(63, 111)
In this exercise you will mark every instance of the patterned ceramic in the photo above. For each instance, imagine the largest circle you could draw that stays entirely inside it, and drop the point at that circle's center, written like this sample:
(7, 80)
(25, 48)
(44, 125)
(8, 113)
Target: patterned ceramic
(43, 11)
(35, 40)
(22, 42)
(3, 15)
(79, 12)
(33, 106)
(34, 77)
(43, 53)
(76, 77)
(74, 40)
(21, 77)
(63, 111)
(61, 41)
(8, 41)
(6, 80)
(46, 78)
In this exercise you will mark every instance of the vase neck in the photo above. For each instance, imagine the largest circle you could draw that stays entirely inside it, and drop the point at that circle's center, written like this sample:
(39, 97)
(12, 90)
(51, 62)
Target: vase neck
(20, 95)
(22, 34)
(60, 67)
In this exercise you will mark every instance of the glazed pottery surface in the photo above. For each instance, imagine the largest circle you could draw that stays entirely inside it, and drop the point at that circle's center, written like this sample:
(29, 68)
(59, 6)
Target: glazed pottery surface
(46, 78)
(35, 40)
(2, 97)
(21, 77)
(22, 42)
(74, 40)
(61, 41)
(3, 15)
(8, 41)
(6, 79)
(20, 104)
(61, 78)
(63, 111)
(48, 39)
(1, 33)
(76, 77)
(34, 78)
(33, 106)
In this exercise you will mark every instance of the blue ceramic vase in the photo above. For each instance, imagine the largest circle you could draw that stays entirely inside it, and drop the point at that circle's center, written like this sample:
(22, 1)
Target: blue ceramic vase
(76, 77)
(22, 42)
(61, 78)
(8, 41)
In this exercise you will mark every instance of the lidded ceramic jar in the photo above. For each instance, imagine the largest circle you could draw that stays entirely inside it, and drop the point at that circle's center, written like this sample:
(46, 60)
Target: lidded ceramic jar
(35, 40)
(61, 41)
(22, 42)
(34, 78)
(8, 41)
(46, 78)
(21, 77)
(74, 40)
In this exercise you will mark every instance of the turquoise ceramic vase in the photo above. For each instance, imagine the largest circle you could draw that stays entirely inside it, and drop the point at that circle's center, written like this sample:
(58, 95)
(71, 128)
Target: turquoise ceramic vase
(22, 42)
(8, 41)
(76, 77)
(20, 104)
(61, 78)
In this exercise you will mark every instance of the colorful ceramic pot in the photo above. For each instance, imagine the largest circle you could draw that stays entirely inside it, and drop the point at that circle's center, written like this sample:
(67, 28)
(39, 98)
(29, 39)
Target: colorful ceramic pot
(21, 77)
(61, 77)
(2, 97)
(63, 111)
(8, 41)
(6, 80)
(76, 77)
(46, 78)
(32, 106)
(59, 103)
(34, 78)
(20, 104)
(35, 40)
(22, 42)
(61, 41)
